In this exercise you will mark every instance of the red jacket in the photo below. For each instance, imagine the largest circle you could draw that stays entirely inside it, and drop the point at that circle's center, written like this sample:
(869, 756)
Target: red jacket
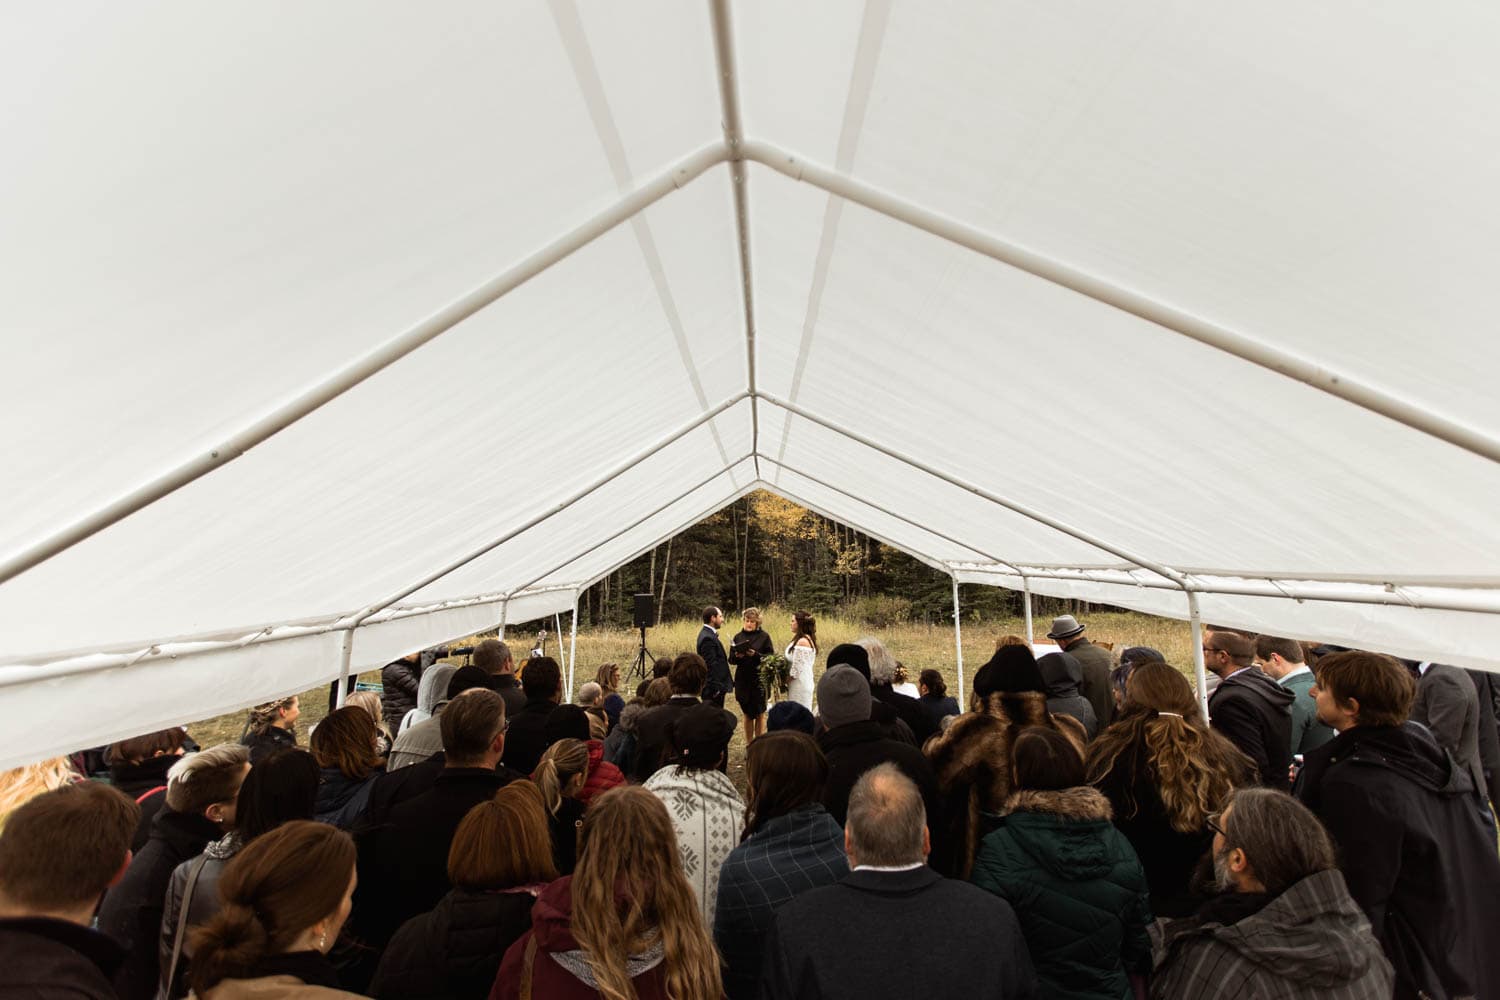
(602, 775)
(559, 968)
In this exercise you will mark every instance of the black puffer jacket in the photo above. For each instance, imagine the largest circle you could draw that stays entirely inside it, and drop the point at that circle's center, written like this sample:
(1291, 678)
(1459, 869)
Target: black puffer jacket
(1255, 714)
(399, 682)
(453, 952)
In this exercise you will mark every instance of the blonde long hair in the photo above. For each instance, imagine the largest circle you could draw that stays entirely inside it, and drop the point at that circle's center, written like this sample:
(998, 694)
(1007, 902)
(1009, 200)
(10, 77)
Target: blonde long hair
(1195, 767)
(561, 762)
(20, 785)
(629, 892)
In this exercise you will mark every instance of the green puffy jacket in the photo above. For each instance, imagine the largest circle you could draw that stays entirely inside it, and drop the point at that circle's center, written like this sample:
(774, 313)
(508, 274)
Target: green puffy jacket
(1077, 889)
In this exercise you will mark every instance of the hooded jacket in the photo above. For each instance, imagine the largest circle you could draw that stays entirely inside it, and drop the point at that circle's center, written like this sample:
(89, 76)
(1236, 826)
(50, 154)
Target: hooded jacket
(559, 967)
(432, 691)
(1077, 889)
(1415, 854)
(1063, 674)
(342, 799)
(1309, 943)
(453, 952)
(602, 775)
(1255, 714)
(971, 761)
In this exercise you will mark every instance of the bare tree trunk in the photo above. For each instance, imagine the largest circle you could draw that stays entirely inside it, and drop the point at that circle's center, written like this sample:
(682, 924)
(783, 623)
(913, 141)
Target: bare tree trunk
(665, 569)
(651, 576)
(734, 534)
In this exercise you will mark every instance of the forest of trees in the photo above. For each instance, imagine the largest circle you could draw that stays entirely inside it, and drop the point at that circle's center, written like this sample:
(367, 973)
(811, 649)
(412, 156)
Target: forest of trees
(766, 550)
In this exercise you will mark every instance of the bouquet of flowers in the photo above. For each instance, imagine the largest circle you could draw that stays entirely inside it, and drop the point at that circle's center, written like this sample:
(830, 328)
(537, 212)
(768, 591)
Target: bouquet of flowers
(775, 675)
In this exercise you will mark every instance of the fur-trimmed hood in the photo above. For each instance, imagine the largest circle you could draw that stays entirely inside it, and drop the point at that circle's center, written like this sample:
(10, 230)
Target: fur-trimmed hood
(1084, 803)
(1066, 832)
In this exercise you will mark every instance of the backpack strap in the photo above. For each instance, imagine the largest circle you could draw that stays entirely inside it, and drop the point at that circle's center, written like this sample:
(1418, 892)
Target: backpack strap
(149, 792)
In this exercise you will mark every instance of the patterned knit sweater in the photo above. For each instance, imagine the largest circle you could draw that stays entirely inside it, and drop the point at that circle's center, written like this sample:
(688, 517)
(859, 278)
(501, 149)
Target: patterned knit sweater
(708, 816)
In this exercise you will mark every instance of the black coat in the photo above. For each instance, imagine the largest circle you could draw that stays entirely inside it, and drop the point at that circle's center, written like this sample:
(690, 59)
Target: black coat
(146, 783)
(854, 748)
(938, 708)
(563, 826)
(403, 861)
(526, 739)
(47, 959)
(453, 952)
(509, 689)
(398, 695)
(1416, 855)
(720, 681)
(653, 733)
(852, 940)
(132, 910)
(1489, 729)
(268, 741)
(907, 709)
(749, 648)
(1255, 714)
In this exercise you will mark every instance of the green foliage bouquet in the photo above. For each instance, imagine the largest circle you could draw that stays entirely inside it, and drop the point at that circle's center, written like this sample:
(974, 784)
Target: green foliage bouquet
(776, 675)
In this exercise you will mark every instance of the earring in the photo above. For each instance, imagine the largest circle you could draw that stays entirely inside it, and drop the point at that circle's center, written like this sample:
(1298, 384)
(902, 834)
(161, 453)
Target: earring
(322, 940)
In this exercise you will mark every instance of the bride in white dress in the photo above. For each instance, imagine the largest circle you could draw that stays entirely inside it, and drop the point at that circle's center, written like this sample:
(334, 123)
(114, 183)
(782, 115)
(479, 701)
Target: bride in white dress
(802, 651)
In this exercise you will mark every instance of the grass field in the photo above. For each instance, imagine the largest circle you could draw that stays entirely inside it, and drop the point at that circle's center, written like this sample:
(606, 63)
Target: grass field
(918, 647)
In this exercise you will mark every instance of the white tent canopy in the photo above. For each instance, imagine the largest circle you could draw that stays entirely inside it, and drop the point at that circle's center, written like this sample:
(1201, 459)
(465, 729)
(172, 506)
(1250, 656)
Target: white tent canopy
(335, 330)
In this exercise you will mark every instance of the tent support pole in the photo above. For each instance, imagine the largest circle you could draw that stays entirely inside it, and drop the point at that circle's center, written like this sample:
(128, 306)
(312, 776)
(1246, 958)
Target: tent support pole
(573, 643)
(1200, 674)
(504, 608)
(1256, 352)
(1026, 604)
(382, 357)
(978, 491)
(958, 637)
(557, 630)
(346, 655)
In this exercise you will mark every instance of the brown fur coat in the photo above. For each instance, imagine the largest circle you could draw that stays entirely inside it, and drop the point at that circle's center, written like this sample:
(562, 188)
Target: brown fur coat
(972, 762)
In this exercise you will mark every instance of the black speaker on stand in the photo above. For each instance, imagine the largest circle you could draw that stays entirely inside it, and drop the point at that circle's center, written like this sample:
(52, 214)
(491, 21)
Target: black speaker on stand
(645, 611)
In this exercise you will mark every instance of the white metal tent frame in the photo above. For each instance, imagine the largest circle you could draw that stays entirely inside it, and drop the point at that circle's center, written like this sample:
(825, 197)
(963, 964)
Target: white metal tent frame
(1134, 573)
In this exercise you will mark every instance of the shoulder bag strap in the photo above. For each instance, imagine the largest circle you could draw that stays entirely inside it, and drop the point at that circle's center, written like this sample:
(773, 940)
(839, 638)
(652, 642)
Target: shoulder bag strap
(182, 922)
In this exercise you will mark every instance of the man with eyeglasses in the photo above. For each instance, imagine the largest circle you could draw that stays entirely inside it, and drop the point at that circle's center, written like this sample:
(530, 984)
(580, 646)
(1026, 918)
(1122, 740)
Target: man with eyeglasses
(1248, 708)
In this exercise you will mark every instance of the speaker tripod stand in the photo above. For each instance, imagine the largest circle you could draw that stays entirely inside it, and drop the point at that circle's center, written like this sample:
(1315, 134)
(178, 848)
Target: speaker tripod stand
(641, 668)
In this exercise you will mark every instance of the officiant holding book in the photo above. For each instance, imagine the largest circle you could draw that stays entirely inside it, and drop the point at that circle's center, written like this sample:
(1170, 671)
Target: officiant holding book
(749, 645)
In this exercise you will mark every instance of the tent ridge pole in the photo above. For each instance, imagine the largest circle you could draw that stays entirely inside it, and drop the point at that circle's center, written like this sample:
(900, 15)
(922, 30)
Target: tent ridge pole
(353, 374)
(1257, 352)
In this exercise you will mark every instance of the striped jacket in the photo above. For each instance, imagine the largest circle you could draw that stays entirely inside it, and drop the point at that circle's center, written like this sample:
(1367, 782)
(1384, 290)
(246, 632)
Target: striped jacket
(1312, 942)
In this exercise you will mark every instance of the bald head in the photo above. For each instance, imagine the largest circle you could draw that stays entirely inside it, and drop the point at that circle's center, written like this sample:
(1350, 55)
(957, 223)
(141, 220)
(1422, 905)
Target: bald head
(887, 823)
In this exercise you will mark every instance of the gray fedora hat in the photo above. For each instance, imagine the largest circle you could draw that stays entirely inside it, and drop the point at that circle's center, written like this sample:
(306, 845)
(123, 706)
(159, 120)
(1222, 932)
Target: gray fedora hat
(1065, 627)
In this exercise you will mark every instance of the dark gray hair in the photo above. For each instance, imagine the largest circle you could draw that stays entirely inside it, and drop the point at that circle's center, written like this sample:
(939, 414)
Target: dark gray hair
(886, 818)
(1284, 841)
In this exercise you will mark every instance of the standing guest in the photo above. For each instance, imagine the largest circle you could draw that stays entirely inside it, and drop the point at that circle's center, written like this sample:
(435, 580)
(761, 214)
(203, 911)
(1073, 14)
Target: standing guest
(423, 740)
(1096, 663)
(59, 851)
(854, 743)
(705, 807)
(802, 651)
(1063, 673)
(20, 785)
(272, 727)
(286, 896)
(791, 715)
(500, 862)
(653, 732)
(399, 680)
(432, 691)
(720, 682)
(370, 702)
(934, 697)
(608, 679)
(560, 777)
(1284, 925)
(542, 684)
(1281, 660)
(346, 746)
(790, 845)
(1249, 708)
(138, 767)
(971, 758)
(494, 658)
(625, 924)
(281, 788)
(405, 858)
(201, 793)
(1130, 658)
(750, 645)
(1072, 878)
(1447, 703)
(1164, 772)
(849, 940)
(882, 678)
(1416, 855)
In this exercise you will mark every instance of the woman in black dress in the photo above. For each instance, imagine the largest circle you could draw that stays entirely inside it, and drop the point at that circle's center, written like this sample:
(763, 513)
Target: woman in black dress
(750, 644)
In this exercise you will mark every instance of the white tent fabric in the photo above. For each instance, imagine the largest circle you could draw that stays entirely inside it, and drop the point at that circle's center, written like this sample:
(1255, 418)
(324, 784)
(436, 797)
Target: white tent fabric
(1113, 302)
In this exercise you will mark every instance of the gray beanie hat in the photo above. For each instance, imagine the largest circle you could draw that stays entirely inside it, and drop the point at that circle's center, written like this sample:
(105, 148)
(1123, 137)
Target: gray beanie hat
(843, 697)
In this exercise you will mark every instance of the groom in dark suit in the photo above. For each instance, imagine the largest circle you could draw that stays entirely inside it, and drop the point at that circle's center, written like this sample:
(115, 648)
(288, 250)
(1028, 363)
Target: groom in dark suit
(720, 680)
